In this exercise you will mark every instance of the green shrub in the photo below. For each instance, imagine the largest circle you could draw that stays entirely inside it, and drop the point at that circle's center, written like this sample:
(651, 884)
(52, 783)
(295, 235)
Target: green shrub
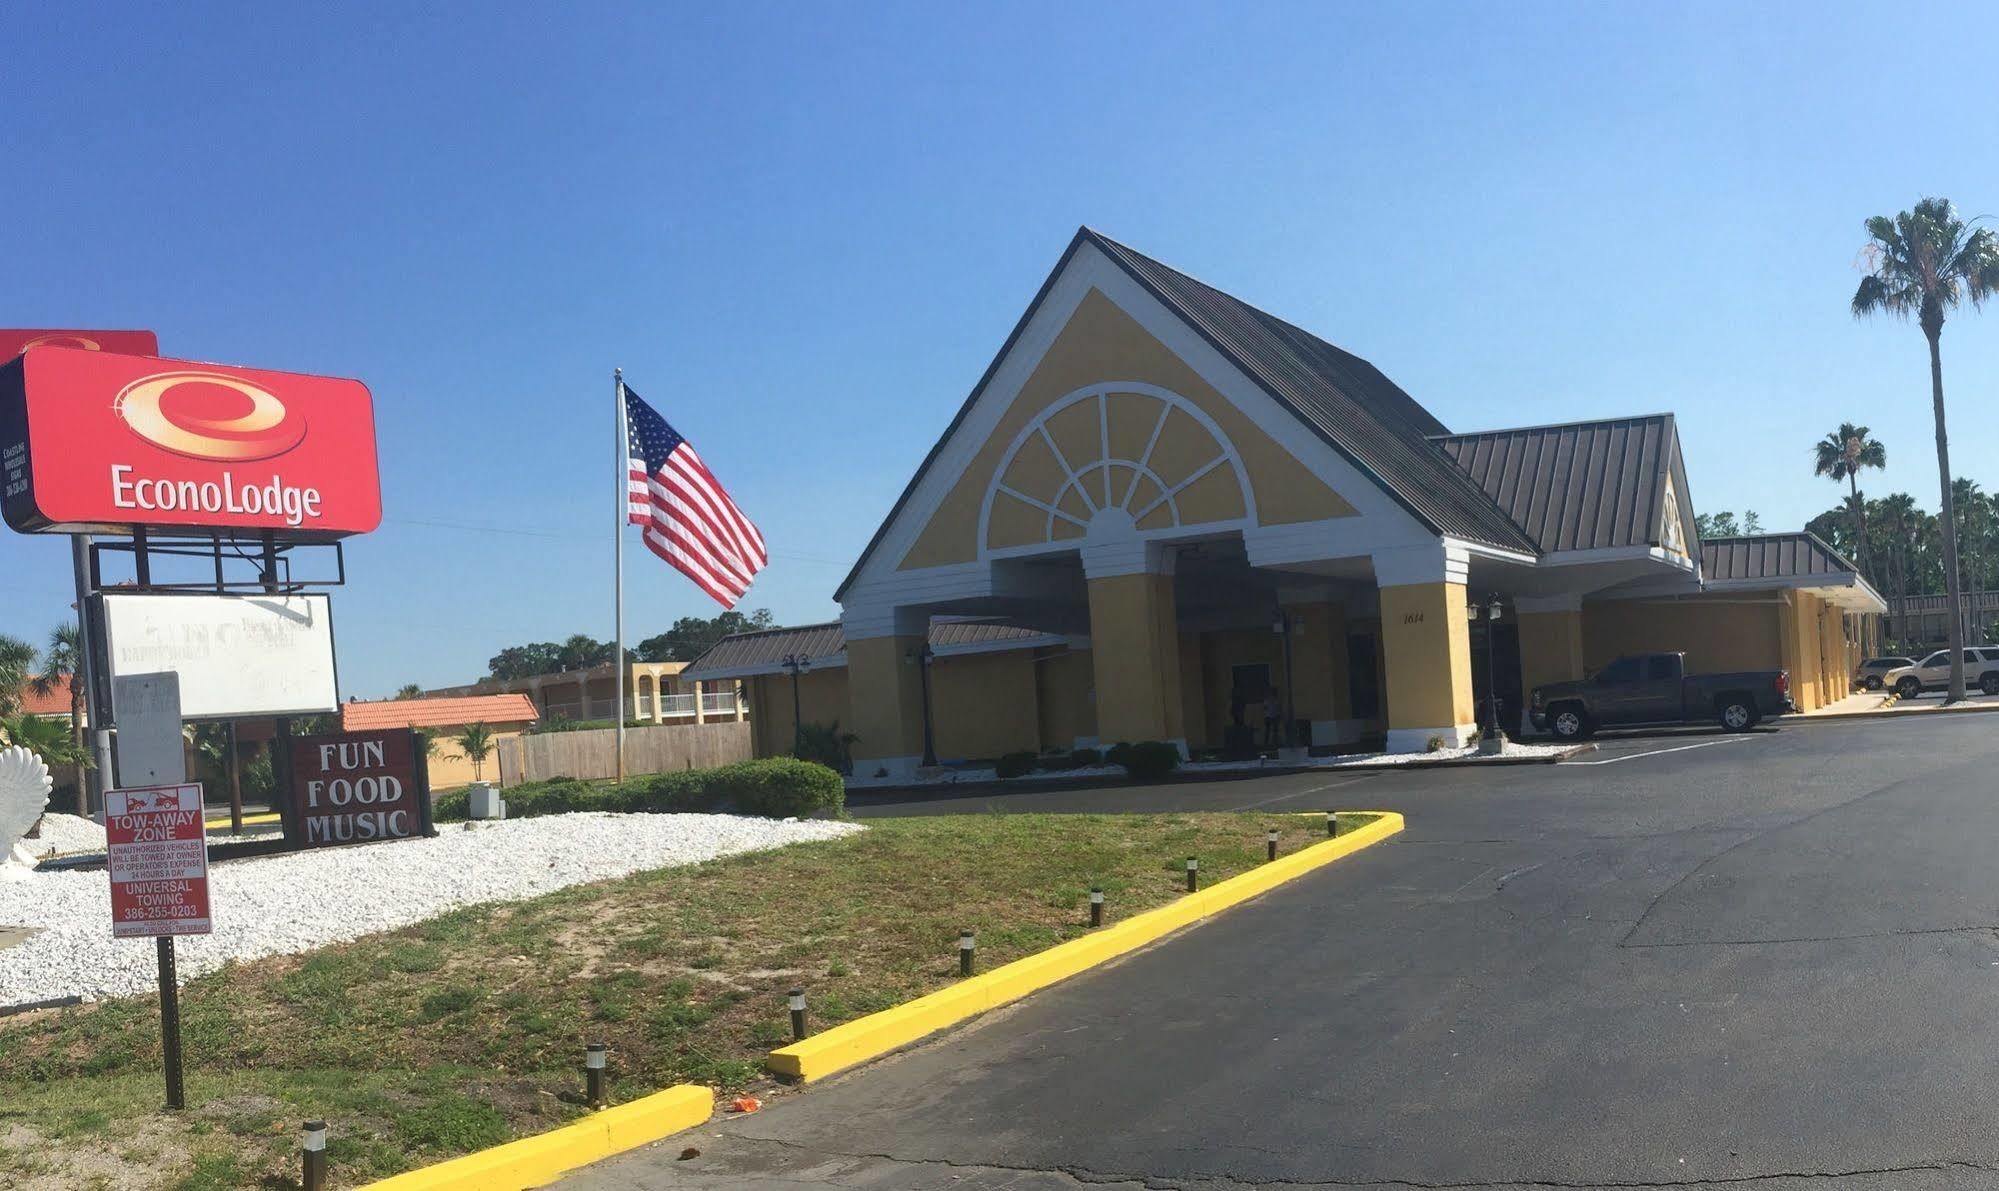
(1015, 765)
(1082, 757)
(1149, 760)
(778, 787)
(775, 787)
(827, 745)
(1118, 754)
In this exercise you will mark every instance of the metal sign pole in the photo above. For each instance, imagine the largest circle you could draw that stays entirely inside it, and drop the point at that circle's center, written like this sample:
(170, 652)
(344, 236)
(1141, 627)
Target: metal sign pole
(170, 1022)
(99, 775)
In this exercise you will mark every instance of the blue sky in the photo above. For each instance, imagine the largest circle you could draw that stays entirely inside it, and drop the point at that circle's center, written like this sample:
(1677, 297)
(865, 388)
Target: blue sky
(803, 230)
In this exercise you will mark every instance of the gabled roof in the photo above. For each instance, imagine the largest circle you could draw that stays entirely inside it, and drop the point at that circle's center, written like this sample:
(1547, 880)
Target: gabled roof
(1579, 486)
(824, 644)
(434, 713)
(1342, 398)
(1772, 556)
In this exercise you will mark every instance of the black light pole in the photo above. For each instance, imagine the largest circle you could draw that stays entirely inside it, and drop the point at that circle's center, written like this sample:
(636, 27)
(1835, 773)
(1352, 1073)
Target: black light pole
(795, 664)
(1493, 732)
(921, 656)
(1282, 626)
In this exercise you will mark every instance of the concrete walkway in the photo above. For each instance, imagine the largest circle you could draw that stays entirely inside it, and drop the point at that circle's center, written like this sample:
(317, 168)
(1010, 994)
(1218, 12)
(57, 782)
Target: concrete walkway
(1872, 703)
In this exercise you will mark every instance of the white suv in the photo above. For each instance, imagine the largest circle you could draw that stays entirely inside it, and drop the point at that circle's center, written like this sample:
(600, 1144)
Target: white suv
(1981, 670)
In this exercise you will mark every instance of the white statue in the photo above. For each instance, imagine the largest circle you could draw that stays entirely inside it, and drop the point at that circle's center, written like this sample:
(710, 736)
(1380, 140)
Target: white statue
(24, 794)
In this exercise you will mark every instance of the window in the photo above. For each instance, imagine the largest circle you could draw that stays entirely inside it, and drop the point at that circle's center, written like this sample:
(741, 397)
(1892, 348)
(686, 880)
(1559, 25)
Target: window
(1659, 668)
(1939, 658)
(1621, 670)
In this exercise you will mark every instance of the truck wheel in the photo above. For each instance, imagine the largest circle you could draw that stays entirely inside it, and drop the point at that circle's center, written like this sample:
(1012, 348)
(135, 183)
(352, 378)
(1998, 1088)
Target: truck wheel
(1737, 713)
(1989, 682)
(1909, 686)
(1566, 721)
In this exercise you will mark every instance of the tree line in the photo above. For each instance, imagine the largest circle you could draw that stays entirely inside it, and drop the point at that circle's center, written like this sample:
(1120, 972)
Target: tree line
(687, 639)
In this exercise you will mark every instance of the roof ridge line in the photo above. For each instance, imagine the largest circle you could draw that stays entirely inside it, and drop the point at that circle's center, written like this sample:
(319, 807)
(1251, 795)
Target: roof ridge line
(1664, 415)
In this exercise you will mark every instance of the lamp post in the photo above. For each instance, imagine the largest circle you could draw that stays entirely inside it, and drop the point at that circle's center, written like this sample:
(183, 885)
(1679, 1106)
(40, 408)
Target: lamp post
(1493, 739)
(920, 658)
(795, 664)
(1281, 625)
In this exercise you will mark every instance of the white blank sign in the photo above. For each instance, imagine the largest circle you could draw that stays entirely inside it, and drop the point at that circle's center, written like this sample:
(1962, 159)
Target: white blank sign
(236, 655)
(150, 749)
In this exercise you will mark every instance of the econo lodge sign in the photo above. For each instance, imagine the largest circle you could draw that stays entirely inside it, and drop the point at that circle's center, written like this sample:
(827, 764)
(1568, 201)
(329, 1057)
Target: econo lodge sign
(99, 439)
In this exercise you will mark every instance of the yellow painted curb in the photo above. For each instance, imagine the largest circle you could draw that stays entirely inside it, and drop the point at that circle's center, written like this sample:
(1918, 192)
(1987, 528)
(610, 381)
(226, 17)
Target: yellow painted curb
(248, 821)
(876, 1034)
(535, 1161)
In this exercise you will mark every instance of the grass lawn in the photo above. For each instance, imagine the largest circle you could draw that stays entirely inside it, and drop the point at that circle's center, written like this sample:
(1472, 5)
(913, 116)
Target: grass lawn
(469, 1029)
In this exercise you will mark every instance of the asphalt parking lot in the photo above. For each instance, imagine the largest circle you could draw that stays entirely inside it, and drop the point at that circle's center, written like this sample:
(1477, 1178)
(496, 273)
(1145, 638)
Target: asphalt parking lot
(1688, 958)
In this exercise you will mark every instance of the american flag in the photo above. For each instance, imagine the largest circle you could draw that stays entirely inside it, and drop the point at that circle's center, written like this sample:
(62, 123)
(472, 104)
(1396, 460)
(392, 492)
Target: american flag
(689, 519)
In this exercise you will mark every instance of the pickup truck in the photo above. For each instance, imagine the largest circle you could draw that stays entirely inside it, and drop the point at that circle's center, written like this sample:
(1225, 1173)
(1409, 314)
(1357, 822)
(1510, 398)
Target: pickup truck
(1655, 688)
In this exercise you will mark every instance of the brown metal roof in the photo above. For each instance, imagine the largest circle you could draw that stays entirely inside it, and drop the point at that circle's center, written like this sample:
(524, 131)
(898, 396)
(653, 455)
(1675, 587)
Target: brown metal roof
(818, 642)
(1771, 556)
(1579, 486)
(1344, 399)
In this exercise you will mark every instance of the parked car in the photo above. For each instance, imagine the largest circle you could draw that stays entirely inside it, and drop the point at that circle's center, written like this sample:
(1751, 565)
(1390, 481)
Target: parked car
(1981, 670)
(1873, 673)
(1655, 688)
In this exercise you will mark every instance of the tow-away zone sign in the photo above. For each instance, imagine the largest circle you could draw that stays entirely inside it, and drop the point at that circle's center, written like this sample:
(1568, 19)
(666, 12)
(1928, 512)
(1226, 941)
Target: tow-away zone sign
(158, 857)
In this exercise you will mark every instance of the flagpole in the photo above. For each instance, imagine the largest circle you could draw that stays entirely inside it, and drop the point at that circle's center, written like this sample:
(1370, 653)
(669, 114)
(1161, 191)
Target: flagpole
(624, 457)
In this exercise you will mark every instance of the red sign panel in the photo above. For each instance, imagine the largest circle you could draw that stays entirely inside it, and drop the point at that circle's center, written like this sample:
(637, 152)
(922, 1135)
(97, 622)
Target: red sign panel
(158, 857)
(359, 787)
(131, 343)
(98, 440)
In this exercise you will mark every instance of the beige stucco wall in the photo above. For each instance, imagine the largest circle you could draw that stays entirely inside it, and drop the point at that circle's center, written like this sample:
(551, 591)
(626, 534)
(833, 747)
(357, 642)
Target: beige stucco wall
(448, 767)
(1135, 658)
(1716, 633)
(887, 697)
(1426, 640)
(1100, 344)
(984, 705)
(1065, 697)
(1551, 648)
(822, 699)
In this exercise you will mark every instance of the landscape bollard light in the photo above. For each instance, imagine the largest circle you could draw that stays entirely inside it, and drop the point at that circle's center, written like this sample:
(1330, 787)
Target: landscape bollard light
(1332, 824)
(966, 944)
(315, 1156)
(798, 1015)
(1096, 905)
(593, 1074)
(1270, 844)
(1193, 874)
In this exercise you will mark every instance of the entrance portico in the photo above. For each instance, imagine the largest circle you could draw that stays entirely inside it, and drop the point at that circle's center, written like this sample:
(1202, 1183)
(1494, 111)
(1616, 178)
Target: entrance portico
(1193, 517)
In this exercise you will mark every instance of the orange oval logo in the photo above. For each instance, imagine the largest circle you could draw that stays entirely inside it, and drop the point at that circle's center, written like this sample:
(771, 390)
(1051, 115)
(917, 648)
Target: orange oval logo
(83, 341)
(205, 415)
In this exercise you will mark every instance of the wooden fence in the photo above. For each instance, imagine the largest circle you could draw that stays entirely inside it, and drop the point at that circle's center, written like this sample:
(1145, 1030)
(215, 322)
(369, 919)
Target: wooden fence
(653, 749)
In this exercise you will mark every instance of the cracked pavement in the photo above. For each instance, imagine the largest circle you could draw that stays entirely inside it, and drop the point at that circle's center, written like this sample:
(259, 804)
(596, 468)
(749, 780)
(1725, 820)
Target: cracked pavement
(1775, 962)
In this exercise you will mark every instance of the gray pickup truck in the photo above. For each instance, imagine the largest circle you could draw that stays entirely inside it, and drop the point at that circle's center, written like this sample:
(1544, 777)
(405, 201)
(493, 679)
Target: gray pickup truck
(1655, 688)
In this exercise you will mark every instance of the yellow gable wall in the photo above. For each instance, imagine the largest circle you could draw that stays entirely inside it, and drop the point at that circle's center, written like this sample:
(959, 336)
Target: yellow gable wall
(1100, 344)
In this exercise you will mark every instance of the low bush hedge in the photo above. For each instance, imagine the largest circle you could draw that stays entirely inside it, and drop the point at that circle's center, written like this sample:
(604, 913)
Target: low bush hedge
(774, 787)
(1146, 761)
(1084, 757)
(1015, 765)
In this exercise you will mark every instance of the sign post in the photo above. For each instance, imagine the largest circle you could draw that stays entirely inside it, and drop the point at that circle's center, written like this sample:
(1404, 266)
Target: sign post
(157, 853)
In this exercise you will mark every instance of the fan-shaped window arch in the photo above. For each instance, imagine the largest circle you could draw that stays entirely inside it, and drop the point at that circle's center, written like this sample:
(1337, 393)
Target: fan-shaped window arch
(1120, 457)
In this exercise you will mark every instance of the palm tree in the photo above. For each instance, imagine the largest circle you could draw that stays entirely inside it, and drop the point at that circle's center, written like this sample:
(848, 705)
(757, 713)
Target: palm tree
(1900, 522)
(475, 744)
(1925, 262)
(409, 690)
(61, 660)
(45, 738)
(17, 666)
(1840, 456)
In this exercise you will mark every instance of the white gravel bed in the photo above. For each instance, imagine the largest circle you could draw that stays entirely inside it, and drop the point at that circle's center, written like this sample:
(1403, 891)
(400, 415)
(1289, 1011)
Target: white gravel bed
(66, 833)
(282, 905)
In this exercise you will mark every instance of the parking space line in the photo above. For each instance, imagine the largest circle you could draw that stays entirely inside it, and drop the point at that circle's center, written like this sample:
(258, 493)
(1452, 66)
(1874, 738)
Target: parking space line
(1300, 793)
(1659, 752)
